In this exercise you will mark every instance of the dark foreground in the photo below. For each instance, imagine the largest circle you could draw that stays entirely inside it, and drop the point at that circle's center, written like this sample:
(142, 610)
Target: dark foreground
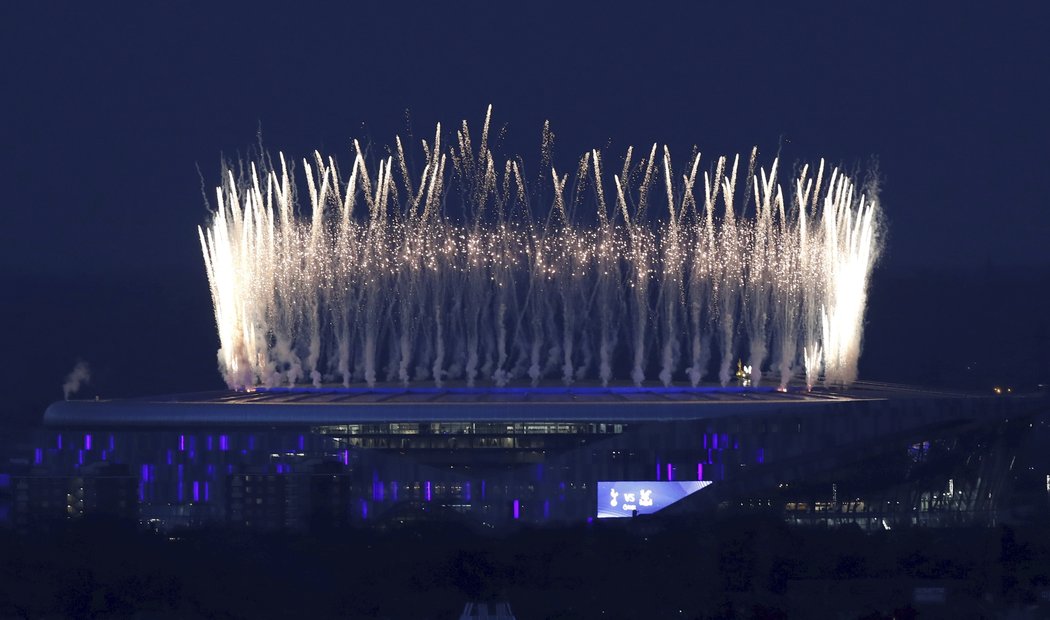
(741, 567)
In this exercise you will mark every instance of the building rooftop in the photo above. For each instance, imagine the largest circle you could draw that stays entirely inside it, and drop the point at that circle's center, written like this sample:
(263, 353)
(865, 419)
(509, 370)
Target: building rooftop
(389, 403)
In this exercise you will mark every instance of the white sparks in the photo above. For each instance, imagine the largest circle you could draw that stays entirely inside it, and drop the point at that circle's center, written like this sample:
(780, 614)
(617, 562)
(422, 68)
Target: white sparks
(459, 277)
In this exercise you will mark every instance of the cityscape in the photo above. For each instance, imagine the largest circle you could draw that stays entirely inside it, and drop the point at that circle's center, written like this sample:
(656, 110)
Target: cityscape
(525, 312)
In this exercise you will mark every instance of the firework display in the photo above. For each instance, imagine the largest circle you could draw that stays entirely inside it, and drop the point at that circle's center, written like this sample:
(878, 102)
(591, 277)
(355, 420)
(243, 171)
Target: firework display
(473, 271)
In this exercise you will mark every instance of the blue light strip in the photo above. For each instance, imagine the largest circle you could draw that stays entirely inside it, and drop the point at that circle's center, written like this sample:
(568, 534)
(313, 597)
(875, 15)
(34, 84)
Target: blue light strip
(519, 390)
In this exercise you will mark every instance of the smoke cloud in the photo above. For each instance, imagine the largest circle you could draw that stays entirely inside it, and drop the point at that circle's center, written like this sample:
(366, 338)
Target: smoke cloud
(80, 376)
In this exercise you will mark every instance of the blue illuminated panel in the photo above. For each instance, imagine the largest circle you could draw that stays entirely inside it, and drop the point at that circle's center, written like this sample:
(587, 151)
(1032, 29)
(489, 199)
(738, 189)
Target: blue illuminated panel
(622, 498)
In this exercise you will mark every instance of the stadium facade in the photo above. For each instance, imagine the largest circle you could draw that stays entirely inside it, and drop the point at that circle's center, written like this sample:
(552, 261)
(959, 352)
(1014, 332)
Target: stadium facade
(875, 454)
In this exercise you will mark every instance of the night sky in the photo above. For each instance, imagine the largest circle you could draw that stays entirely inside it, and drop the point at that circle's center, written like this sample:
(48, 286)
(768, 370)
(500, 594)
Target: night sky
(109, 113)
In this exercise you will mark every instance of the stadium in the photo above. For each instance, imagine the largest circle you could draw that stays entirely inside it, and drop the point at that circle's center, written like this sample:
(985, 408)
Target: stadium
(875, 454)
(476, 358)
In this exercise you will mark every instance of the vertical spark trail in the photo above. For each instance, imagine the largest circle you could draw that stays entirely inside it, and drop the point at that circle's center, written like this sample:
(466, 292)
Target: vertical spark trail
(461, 275)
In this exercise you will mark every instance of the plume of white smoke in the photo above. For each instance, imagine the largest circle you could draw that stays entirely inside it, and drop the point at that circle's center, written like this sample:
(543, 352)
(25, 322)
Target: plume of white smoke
(79, 376)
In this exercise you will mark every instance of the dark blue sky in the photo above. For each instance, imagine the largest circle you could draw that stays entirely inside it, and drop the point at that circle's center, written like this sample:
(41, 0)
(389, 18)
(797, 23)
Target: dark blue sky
(109, 110)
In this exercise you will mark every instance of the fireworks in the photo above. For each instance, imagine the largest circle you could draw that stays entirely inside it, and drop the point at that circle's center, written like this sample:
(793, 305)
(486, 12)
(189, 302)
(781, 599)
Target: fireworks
(470, 272)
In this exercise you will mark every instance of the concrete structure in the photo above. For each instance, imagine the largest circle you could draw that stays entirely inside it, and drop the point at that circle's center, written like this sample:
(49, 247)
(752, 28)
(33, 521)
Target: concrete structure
(876, 454)
(301, 406)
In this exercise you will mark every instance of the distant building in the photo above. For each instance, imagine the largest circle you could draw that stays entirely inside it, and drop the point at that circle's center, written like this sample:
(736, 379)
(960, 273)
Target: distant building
(317, 497)
(329, 486)
(261, 499)
(100, 489)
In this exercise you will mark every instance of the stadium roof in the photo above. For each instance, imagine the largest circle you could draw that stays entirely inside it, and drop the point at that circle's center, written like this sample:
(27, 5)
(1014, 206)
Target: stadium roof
(390, 404)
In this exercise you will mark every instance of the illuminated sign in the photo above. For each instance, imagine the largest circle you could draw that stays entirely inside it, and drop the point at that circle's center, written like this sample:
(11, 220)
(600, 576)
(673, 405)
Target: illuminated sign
(624, 498)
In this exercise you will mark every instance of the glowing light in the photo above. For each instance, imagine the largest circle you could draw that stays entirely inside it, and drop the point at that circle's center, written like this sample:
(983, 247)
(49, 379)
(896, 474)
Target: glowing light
(617, 499)
(454, 273)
